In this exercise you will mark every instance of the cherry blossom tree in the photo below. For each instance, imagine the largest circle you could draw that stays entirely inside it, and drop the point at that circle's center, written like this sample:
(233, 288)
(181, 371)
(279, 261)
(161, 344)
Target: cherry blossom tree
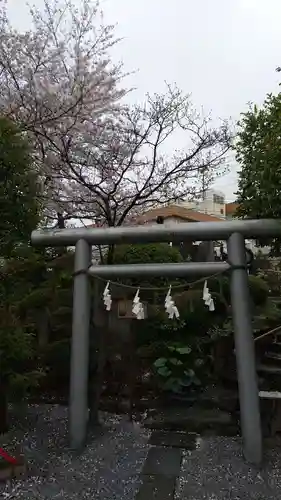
(98, 158)
(58, 83)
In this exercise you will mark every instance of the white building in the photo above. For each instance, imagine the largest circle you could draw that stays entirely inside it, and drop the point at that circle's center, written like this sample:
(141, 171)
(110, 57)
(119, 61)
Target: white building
(212, 204)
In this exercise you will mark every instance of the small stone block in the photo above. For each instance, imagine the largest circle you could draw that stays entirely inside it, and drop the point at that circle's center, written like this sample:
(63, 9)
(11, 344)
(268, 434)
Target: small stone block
(164, 461)
(5, 472)
(156, 488)
(19, 470)
(173, 439)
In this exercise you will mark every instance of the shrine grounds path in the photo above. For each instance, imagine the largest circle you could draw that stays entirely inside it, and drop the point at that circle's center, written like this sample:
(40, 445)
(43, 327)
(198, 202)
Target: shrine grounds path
(124, 461)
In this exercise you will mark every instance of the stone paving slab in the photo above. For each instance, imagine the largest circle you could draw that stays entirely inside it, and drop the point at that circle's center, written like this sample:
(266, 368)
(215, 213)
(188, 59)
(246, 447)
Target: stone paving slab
(163, 461)
(157, 487)
(190, 419)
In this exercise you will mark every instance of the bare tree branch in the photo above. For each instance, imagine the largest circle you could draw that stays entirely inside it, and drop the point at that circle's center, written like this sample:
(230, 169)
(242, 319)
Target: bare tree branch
(98, 159)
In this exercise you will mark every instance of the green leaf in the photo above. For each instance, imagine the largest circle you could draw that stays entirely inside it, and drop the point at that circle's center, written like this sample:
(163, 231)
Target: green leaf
(196, 381)
(172, 384)
(186, 382)
(160, 362)
(164, 371)
(175, 361)
(183, 350)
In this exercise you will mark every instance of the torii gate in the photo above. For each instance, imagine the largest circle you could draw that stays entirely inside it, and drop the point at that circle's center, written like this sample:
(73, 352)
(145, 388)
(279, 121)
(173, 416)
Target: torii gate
(234, 232)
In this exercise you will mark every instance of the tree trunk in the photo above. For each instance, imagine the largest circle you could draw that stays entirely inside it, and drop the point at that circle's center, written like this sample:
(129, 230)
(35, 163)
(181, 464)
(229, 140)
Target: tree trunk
(61, 225)
(43, 328)
(3, 410)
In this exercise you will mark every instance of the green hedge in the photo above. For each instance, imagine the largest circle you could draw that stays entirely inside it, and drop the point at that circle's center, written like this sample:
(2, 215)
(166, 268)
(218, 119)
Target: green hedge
(259, 290)
(147, 254)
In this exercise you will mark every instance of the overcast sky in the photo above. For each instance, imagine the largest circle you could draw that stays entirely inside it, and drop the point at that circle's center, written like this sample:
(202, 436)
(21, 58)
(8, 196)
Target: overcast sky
(224, 52)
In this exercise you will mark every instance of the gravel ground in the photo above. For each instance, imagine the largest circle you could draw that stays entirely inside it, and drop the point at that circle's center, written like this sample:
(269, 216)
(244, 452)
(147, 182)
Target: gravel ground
(217, 471)
(108, 468)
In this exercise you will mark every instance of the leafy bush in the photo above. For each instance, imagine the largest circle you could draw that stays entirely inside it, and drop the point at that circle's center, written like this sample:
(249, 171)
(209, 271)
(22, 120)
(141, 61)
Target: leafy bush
(19, 366)
(176, 371)
(147, 254)
(57, 362)
(259, 289)
(195, 319)
(37, 291)
(197, 330)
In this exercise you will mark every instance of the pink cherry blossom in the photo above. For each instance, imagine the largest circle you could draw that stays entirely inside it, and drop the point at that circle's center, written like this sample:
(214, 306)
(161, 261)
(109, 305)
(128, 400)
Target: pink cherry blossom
(97, 158)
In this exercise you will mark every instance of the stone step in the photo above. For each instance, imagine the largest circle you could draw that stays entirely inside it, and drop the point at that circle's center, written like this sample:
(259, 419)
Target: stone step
(174, 439)
(275, 347)
(273, 355)
(194, 419)
(218, 398)
(273, 352)
(270, 394)
(270, 369)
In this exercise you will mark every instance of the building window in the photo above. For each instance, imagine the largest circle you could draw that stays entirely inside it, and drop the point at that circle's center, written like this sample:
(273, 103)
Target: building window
(222, 211)
(219, 200)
